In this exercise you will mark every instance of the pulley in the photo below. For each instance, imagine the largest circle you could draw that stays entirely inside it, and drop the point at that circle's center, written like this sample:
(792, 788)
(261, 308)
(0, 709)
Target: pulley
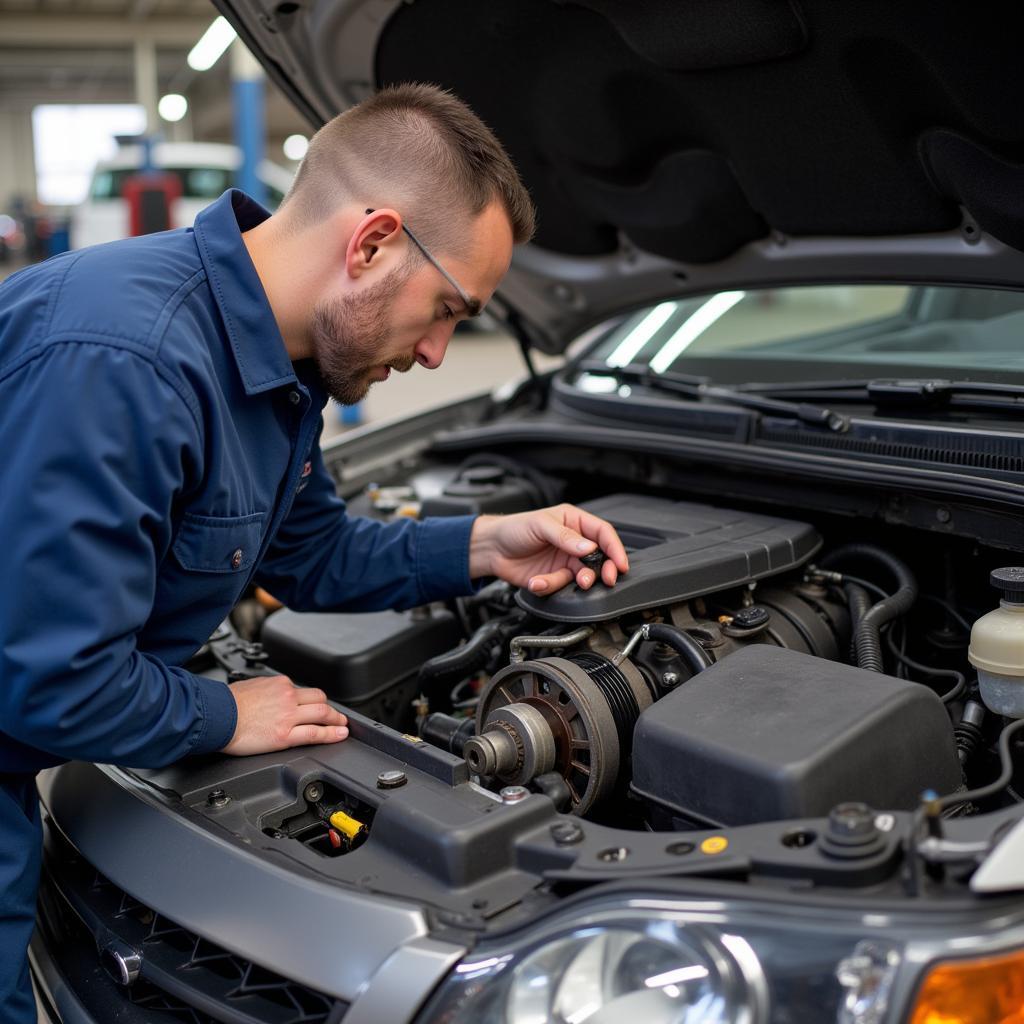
(573, 715)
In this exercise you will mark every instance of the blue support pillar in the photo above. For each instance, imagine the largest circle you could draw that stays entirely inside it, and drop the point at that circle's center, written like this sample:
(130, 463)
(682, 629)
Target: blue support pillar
(249, 119)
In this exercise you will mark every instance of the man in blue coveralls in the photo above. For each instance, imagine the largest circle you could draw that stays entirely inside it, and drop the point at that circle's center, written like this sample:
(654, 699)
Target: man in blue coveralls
(160, 409)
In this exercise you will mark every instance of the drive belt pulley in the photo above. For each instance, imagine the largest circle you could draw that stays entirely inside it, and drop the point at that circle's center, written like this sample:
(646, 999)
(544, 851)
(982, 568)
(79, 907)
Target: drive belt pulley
(572, 715)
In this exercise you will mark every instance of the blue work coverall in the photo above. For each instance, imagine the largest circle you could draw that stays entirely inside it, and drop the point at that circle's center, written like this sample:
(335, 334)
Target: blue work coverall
(160, 452)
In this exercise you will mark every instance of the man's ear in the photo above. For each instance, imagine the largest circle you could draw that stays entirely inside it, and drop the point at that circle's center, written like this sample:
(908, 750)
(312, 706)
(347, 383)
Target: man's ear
(376, 239)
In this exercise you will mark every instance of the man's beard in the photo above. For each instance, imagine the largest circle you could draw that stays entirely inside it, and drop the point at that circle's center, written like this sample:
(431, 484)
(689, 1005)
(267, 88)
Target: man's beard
(349, 335)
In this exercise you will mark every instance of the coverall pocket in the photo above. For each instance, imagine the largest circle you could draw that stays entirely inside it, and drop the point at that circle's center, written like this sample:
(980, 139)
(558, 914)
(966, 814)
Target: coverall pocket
(218, 544)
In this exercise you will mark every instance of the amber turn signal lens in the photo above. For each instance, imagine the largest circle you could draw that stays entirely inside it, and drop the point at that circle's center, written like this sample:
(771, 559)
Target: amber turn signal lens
(989, 990)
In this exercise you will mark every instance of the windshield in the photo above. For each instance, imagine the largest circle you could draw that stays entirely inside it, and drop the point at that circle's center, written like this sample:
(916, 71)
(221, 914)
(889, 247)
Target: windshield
(838, 331)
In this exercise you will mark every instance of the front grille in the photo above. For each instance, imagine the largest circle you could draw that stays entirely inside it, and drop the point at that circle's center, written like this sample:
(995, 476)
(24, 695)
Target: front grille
(184, 977)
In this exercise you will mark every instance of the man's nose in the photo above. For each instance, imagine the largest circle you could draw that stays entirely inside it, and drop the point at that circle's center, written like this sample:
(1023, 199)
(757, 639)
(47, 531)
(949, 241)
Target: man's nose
(430, 350)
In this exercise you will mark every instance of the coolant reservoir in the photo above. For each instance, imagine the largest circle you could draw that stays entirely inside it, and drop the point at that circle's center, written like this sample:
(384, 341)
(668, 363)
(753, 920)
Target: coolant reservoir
(997, 647)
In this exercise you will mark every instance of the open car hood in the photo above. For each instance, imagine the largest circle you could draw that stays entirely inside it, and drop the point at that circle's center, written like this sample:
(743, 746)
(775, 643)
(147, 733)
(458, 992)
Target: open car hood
(674, 148)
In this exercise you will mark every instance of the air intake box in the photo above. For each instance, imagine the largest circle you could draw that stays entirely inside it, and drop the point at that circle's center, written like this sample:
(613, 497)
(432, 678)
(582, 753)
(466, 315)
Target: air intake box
(770, 734)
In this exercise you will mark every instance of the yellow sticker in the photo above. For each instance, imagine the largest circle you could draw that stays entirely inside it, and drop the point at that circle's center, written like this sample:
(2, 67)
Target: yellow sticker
(714, 844)
(411, 738)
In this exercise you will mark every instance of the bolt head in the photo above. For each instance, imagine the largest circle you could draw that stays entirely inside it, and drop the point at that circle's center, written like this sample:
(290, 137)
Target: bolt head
(851, 819)
(670, 679)
(513, 794)
(313, 792)
(566, 833)
(217, 798)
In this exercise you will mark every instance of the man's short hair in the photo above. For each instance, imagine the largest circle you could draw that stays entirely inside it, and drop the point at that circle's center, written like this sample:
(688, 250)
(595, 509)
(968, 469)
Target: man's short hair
(420, 150)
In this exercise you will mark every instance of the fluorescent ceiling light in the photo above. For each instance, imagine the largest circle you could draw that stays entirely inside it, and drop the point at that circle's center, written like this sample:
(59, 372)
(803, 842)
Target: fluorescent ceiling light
(172, 107)
(216, 39)
(295, 147)
(625, 352)
(693, 327)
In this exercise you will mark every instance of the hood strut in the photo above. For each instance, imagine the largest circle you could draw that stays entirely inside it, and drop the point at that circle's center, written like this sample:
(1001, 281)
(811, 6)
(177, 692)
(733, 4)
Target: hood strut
(522, 336)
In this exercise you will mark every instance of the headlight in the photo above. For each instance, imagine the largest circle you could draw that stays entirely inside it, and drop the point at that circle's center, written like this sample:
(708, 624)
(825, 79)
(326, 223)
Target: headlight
(631, 970)
(657, 960)
(606, 975)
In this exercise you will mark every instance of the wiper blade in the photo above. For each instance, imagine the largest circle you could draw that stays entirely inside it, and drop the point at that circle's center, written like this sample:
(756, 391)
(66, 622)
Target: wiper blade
(904, 392)
(699, 388)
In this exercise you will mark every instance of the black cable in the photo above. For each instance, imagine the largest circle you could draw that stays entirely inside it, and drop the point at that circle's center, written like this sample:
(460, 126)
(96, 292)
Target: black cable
(960, 680)
(1004, 779)
(901, 668)
(866, 585)
(970, 796)
(950, 611)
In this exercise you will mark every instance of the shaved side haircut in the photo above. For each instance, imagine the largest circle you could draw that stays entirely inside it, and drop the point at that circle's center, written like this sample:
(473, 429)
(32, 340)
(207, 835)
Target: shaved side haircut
(420, 150)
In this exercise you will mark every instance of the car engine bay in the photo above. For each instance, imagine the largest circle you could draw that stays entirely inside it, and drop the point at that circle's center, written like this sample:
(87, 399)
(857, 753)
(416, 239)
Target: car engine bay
(792, 699)
(743, 671)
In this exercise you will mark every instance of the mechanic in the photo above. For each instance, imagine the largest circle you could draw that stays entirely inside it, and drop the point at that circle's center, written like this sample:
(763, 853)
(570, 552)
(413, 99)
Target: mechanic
(161, 404)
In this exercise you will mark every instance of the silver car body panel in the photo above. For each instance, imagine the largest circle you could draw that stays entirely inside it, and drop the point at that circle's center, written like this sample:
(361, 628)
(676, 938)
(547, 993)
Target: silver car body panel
(236, 899)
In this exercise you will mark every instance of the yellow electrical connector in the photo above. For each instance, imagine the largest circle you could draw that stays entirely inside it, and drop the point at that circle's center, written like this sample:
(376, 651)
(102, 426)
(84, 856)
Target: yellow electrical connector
(348, 826)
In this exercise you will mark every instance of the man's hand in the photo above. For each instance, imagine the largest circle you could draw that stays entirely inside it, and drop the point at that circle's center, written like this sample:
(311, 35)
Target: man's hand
(273, 714)
(541, 550)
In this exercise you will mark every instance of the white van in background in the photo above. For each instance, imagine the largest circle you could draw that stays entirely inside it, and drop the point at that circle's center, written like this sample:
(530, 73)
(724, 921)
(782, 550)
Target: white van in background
(205, 169)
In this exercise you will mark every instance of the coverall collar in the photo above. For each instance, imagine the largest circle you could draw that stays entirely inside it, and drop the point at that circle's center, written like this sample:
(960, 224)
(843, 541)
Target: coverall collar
(256, 341)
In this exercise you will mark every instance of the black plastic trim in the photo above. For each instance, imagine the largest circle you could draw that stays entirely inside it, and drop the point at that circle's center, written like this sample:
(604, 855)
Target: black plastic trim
(791, 463)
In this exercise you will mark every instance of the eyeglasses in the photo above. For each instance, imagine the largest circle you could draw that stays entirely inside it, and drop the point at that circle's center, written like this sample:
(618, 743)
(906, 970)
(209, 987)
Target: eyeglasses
(471, 304)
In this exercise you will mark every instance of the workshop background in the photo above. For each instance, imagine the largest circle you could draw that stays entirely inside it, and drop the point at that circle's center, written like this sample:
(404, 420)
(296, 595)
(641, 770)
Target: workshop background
(92, 92)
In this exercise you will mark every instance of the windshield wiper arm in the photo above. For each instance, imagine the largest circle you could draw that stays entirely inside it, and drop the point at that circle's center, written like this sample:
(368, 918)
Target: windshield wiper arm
(924, 392)
(700, 388)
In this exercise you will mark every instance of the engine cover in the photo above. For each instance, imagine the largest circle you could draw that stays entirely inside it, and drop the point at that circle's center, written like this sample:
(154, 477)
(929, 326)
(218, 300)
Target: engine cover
(769, 734)
(679, 550)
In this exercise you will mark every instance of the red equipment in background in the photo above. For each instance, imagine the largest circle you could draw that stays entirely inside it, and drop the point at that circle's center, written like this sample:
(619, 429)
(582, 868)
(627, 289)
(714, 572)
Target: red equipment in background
(149, 195)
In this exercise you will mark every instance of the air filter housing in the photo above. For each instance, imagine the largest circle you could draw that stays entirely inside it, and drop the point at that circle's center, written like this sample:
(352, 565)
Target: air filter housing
(770, 734)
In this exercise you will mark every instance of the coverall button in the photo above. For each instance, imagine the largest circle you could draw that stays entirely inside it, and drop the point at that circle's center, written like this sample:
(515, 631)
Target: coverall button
(236, 559)
(294, 397)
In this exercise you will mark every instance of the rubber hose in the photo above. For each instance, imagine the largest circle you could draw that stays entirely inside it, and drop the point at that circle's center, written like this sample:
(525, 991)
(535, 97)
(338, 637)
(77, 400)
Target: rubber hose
(867, 633)
(472, 655)
(859, 602)
(693, 655)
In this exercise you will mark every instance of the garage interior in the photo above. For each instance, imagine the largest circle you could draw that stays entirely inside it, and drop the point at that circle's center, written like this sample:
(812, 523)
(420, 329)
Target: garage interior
(74, 54)
(721, 721)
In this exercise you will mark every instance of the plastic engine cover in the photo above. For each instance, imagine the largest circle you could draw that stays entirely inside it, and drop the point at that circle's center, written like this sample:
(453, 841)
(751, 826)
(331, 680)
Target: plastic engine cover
(678, 550)
(769, 734)
(355, 657)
